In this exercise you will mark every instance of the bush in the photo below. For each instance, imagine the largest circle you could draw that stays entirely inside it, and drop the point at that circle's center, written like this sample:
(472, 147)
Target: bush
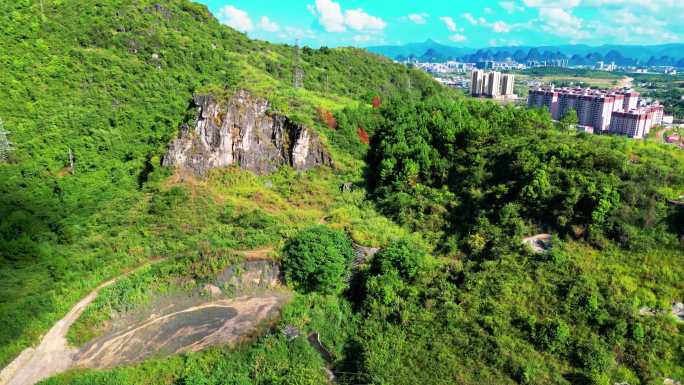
(554, 336)
(403, 256)
(317, 259)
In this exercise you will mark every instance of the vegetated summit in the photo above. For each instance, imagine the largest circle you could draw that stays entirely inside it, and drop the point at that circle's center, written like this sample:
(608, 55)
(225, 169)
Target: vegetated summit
(94, 92)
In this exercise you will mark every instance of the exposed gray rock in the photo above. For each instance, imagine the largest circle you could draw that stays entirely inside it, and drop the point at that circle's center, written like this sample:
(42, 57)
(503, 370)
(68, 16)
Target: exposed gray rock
(243, 131)
(678, 310)
(212, 290)
(363, 254)
(290, 332)
(539, 243)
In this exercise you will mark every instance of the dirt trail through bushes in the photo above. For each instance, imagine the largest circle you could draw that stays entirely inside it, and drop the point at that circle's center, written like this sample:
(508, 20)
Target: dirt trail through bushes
(241, 298)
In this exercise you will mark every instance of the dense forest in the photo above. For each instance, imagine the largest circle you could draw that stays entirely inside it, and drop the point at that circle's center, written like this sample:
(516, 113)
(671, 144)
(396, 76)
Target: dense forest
(444, 187)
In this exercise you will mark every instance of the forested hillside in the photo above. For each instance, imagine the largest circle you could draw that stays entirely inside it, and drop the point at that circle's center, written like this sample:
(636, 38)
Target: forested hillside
(92, 93)
(107, 84)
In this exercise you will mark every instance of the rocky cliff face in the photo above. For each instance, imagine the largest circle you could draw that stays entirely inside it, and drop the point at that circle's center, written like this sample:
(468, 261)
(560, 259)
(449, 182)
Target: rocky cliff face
(241, 131)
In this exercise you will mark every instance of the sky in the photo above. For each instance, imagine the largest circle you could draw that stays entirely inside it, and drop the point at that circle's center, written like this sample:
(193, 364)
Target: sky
(463, 23)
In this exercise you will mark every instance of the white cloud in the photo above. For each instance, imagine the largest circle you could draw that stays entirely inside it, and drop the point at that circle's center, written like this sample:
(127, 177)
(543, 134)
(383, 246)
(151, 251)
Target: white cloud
(418, 18)
(618, 21)
(457, 37)
(235, 18)
(331, 17)
(449, 22)
(474, 21)
(267, 25)
(488, 11)
(562, 23)
(552, 3)
(358, 20)
(501, 27)
(511, 6)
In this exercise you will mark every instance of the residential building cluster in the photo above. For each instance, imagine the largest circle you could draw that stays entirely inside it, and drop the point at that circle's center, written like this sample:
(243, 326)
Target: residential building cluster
(602, 66)
(600, 111)
(445, 68)
(560, 63)
(509, 64)
(505, 65)
(491, 84)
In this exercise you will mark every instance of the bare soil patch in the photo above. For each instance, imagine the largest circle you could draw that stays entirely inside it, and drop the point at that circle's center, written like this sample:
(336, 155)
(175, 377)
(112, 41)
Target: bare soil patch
(249, 295)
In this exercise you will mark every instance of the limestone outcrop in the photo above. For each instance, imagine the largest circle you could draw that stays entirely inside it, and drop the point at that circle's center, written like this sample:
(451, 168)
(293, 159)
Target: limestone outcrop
(243, 131)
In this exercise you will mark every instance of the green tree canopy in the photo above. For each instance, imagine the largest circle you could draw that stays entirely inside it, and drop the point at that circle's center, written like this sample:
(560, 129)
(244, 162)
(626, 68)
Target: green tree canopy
(317, 259)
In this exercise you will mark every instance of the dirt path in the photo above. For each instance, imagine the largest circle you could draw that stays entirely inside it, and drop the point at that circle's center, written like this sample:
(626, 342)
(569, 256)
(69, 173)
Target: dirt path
(257, 254)
(53, 355)
(659, 134)
(192, 325)
(626, 82)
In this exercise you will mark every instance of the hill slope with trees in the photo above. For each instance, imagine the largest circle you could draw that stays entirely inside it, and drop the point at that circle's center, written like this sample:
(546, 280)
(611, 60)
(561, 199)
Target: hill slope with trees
(92, 92)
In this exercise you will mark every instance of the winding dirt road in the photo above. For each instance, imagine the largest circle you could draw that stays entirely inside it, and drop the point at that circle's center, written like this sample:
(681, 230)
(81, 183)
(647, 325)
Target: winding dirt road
(53, 354)
(194, 324)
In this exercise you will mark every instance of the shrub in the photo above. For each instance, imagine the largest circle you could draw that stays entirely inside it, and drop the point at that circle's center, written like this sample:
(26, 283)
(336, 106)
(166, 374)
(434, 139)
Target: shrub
(317, 259)
(167, 200)
(403, 256)
(554, 336)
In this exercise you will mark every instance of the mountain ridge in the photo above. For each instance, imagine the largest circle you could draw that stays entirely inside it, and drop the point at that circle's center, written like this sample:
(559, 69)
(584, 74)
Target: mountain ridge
(637, 54)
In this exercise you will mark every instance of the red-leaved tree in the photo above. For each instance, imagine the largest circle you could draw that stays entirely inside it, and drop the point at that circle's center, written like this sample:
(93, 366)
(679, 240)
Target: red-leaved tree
(363, 135)
(327, 118)
(377, 102)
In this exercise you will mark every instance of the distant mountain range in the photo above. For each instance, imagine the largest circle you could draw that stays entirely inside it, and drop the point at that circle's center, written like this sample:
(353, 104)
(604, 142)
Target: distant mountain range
(432, 51)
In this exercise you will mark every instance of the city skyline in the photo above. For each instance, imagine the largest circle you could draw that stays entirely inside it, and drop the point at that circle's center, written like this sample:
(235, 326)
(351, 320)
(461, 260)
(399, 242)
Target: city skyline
(491, 23)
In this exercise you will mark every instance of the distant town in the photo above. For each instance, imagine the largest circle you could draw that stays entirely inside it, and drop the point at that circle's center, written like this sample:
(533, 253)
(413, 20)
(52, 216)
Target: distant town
(510, 64)
(619, 110)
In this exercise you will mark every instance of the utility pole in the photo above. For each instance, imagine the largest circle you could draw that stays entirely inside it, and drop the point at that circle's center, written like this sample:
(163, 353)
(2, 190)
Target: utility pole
(5, 144)
(71, 161)
(298, 73)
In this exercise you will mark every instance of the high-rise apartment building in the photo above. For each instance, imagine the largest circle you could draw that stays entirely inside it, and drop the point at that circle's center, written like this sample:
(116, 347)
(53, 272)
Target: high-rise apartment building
(601, 110)
(477, 80)
(491, 84)
(507, 83)
(631, 101)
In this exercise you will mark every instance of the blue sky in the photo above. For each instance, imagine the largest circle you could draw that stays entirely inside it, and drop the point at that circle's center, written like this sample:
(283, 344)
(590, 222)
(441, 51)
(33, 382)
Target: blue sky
(468, 23)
